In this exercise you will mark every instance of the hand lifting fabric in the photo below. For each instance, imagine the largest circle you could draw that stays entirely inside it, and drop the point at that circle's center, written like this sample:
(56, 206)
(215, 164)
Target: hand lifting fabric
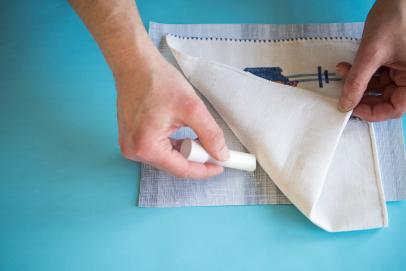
(296, 135)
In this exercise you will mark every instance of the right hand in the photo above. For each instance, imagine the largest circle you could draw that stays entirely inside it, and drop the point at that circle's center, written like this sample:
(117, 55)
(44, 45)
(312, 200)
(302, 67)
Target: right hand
(152, 103)
(382, 49)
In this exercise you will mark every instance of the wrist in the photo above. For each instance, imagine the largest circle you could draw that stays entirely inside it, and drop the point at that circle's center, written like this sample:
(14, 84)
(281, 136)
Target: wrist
(132, 53)
(138, 69)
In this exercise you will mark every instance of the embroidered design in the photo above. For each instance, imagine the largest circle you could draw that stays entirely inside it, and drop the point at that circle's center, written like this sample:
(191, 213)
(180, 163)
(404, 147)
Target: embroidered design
(275, 74)
(272, 74)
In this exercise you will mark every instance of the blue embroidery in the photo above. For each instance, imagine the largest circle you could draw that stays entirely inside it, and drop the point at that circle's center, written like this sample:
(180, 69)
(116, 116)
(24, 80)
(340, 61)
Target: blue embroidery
(272, 74)
(319, 77)
(275, 74)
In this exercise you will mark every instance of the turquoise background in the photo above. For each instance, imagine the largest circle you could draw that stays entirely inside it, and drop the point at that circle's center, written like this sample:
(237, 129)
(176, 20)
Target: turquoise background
(67, 197)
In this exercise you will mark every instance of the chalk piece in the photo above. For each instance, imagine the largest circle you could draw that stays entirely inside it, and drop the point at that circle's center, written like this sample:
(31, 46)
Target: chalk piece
(193, 151)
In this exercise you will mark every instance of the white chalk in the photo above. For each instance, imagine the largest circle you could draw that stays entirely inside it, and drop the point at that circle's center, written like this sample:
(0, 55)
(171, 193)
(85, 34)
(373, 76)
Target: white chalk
(193, 151)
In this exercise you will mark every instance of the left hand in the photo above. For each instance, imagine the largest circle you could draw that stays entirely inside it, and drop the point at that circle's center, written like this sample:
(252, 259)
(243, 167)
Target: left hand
(382, 49)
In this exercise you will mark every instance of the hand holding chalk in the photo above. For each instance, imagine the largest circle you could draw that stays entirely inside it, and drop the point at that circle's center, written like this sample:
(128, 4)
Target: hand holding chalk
(194, 152)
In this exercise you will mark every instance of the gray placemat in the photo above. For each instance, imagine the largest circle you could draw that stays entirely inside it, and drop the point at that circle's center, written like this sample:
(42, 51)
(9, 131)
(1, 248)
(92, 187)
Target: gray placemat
(158, 189)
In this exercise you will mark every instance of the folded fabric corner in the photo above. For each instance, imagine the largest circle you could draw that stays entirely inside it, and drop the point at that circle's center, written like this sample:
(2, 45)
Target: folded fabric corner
(295, 134)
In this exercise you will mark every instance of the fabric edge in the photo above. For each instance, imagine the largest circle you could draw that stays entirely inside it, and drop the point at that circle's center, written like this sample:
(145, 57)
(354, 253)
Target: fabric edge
(378, 180)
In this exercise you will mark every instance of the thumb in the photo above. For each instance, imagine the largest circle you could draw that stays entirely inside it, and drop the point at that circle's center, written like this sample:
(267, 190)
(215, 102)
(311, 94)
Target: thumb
(210, 134)
(366, 63)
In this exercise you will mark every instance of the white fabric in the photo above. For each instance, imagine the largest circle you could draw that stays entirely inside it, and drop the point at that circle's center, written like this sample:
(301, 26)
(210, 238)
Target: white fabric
(293, 132)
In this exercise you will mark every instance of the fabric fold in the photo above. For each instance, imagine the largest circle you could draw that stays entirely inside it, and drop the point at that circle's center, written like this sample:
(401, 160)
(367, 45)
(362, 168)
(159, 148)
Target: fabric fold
(294, 133)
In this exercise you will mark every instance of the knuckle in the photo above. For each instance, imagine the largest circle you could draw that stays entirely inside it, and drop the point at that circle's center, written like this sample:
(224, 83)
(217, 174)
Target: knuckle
(217, 136)
(140, 146)
(193, 107)
(373, 51)
(181, 173)
(140, 149)
(354, 84)
(398, 114)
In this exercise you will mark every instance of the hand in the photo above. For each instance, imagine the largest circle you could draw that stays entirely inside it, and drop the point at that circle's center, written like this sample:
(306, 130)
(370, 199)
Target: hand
(153, 98)
(154, 102)
(383, 44)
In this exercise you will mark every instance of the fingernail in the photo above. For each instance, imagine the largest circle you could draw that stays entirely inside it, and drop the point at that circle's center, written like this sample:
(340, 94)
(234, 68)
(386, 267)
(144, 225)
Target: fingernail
(224, 153)
(345, 105)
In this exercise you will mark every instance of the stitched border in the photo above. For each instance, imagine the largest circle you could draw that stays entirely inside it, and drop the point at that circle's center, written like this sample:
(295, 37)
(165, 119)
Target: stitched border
(265, 40)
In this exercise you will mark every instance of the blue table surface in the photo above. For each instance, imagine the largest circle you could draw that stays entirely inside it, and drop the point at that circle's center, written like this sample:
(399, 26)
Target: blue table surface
(67, 197)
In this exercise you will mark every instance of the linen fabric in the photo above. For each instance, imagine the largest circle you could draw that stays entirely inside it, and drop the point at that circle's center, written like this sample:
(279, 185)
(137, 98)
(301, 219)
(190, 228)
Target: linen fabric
(158, 189)
(293, 132)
